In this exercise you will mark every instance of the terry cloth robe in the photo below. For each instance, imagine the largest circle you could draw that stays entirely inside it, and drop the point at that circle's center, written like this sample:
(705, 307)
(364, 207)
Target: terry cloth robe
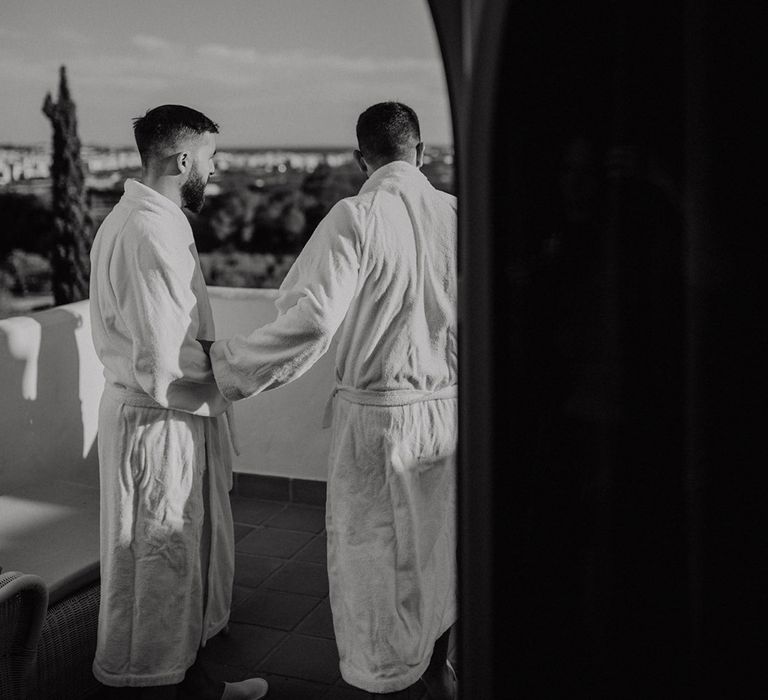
(380, 268)
(167, 542)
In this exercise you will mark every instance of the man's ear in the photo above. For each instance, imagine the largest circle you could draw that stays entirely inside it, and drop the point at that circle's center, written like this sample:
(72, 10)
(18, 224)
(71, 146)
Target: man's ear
(183, 160)
(419, 154)
(361, 162)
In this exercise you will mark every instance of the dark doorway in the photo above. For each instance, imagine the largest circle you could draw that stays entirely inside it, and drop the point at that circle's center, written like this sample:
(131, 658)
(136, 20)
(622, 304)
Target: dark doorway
(610, 386)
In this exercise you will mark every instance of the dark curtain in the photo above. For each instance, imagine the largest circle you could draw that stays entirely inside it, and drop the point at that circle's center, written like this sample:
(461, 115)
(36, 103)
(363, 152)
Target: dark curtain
(628, 352)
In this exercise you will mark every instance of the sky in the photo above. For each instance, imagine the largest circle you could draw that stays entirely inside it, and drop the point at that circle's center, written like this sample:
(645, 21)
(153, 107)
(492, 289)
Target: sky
(269, 72)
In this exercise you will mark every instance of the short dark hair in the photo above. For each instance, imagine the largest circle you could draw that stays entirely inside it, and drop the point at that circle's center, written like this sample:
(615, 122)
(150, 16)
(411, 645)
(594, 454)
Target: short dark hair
(387, 130)
(162, 128)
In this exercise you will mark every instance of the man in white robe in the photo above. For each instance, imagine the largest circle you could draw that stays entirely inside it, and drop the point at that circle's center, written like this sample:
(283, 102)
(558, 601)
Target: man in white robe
(381, 269)
(167, 543)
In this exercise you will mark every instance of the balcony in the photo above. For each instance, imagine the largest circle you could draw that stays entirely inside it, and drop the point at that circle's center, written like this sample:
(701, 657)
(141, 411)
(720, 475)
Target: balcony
(52, 381)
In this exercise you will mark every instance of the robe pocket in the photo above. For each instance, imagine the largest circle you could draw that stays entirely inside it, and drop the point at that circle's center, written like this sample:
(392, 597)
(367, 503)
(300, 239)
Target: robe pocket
(425, 435)
(168, 462)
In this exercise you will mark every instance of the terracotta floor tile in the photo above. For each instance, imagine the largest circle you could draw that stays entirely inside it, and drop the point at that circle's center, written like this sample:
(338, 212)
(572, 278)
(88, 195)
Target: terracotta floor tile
(271, 542)
(251, 511)
(243, 647)
(241, 531)
(260, 486)
(300, 577)
(304, 518)
(274, 609)
(308, 658)
(319, 623)
(240, 594)
(223, 672)
(251, 570)
(309, 491)
(315, 551)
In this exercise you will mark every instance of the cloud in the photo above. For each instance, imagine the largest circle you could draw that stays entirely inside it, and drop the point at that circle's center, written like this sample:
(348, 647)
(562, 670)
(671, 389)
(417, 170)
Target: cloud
(231, 80)
(146, 42)
(14, 70)
(302, 61)
(12, 33)
(72, 36)
(152, 63)
(221, 52)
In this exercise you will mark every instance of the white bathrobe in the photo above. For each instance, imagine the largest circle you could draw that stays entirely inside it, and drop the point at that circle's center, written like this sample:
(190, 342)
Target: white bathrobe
(167, 549)
(382, 267)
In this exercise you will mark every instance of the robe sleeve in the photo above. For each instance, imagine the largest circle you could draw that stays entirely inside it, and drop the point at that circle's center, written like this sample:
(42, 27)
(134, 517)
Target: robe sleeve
(159, 308)
(312, 302)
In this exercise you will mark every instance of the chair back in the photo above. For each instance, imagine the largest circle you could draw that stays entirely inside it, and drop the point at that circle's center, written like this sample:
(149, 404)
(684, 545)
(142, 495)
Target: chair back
(23, 604)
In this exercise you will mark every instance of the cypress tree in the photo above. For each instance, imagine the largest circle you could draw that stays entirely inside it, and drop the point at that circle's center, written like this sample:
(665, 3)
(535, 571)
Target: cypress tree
(71, 219)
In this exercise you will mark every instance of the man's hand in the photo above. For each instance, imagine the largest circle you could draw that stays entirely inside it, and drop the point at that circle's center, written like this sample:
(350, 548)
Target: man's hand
(206, 345)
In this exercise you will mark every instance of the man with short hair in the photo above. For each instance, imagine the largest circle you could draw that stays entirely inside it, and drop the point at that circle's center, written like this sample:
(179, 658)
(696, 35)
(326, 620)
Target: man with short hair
(167, 543)
(380, 269)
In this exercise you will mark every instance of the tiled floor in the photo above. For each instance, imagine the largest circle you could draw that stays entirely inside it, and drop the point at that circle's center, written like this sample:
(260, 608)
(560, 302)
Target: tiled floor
(281, 626)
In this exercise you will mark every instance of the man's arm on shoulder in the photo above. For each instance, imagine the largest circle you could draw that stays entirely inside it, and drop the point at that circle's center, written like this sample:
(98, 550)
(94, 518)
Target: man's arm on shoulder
(312, 302)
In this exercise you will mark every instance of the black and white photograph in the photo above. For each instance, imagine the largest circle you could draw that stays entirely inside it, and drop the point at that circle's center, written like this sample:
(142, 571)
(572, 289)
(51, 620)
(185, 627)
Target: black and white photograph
(381, 350)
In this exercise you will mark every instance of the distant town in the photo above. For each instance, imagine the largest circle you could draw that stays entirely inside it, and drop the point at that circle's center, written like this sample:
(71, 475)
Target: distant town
(105, 166)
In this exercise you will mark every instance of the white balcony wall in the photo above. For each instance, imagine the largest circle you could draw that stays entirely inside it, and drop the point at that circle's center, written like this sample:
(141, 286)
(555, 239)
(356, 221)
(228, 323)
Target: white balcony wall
(280, 432)
(51, 384)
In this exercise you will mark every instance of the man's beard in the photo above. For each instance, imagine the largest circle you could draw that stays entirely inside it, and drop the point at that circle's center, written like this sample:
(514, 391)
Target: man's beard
(193, 191)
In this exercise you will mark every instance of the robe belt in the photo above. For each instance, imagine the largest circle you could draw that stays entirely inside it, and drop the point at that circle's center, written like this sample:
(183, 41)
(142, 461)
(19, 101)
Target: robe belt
(138, 399)
(387, 397)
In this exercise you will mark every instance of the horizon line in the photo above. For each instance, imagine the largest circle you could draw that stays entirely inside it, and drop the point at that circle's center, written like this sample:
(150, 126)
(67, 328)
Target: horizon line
(222, 147)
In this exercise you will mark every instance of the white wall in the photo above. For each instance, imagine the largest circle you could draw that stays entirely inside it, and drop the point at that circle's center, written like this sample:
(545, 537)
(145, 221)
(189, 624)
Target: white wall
(280, 432)
(51, 383)
(50, 387)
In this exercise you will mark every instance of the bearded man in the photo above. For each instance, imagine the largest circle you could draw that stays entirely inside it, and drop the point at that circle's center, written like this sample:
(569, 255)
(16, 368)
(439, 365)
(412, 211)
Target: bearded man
(167, 543)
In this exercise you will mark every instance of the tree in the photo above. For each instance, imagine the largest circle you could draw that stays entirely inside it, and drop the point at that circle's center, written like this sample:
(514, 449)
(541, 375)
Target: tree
(72, 222)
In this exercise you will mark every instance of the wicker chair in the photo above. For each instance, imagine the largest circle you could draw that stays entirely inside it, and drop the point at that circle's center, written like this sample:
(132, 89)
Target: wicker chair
(62, 642)
(67, 647)
(23, 602)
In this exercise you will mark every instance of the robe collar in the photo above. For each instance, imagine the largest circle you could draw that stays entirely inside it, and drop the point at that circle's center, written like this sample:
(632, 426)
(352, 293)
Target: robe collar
(396, 170)
(148, 197)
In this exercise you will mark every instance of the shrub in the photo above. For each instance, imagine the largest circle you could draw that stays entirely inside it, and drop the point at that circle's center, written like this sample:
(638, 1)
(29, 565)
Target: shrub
(237, 269)
(26, 273)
